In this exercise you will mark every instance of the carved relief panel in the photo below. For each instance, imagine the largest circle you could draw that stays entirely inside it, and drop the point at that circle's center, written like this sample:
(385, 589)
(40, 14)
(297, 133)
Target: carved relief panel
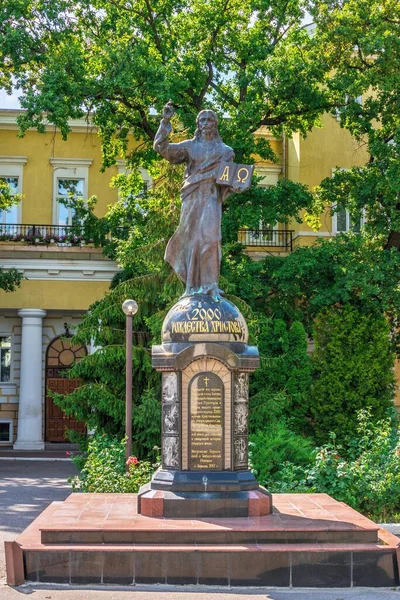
(170, 421)
(240, 420)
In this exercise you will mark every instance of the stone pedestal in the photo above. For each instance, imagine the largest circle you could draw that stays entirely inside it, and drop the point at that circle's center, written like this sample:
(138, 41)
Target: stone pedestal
(30, 434)
(205, 361)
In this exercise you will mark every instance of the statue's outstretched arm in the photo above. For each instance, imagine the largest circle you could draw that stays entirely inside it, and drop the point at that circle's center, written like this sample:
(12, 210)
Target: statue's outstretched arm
(174, 153)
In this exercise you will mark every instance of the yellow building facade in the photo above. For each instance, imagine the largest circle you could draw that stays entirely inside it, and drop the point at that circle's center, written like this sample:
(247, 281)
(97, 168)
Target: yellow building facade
(62, 276)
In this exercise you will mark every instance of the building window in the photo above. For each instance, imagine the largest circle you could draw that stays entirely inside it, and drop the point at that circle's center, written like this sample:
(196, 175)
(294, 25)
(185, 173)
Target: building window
(5, 359)
(67, 190)
(147, 179)
(10, 216)
(343, 222)
(11, 171)
(70, 182)
(265, 235)
(348, 100)
(6, 426)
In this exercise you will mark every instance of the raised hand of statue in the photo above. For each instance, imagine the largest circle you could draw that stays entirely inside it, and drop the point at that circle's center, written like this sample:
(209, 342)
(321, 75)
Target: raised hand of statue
(168, 112)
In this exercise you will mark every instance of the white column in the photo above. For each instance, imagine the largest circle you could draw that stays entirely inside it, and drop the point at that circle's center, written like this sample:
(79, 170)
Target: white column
(30, 434)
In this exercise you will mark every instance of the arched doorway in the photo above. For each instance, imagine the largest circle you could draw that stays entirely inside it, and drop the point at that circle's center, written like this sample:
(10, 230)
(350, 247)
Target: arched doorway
(59, 356)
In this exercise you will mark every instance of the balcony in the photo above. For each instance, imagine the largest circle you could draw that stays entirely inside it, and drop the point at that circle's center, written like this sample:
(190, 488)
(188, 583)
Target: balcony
(267, 240)
(60, 235)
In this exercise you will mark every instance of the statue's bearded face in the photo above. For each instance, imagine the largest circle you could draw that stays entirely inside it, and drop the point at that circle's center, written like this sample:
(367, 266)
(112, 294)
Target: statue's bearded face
(206, 122)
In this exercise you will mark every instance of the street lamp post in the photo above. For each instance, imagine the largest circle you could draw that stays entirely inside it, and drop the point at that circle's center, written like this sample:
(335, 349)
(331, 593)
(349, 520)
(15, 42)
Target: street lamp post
(130, 308)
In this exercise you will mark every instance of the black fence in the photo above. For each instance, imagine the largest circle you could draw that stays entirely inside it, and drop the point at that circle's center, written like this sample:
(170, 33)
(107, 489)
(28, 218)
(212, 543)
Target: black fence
(41, 234)
(275, 240)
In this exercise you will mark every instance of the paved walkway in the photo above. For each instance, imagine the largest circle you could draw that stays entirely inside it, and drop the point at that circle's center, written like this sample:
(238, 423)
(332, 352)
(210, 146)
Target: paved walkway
(27, 487)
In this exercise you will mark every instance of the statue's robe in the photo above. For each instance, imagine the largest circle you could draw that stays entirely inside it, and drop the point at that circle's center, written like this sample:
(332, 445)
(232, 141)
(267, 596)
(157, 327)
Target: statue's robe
(194, 251)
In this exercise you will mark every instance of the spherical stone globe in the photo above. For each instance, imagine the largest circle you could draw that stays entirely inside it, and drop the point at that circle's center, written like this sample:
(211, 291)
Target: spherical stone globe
(199, 318)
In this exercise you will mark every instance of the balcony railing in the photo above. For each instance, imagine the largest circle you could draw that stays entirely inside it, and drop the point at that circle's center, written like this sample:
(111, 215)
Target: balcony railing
(276, 240)
(42, 234)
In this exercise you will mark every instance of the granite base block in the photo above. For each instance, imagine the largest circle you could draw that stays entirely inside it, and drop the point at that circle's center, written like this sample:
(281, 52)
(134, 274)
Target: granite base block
(321, 569)
(235, 566)
(185, 505)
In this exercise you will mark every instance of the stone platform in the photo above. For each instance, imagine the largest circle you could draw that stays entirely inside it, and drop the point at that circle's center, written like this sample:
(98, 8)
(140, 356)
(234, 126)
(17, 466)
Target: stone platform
(310, 540)
(191, 495)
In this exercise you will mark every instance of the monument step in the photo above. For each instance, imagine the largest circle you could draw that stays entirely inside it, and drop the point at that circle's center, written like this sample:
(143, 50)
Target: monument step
(288, 565)
(256, 533)
(262, 530)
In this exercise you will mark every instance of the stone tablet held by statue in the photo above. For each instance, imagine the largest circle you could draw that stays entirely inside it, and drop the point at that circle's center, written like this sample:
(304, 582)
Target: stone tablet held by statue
(231, 174)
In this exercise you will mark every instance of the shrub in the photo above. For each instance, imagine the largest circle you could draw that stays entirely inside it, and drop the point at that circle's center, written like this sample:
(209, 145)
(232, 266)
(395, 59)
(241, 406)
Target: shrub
(281, 386)
(271, 448)
(366, 475)
(353, 370)
(104, 468)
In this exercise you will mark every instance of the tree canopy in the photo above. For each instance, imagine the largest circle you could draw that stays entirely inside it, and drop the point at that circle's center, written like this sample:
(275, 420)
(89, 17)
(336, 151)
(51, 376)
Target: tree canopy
(258, 63)
(361, 42)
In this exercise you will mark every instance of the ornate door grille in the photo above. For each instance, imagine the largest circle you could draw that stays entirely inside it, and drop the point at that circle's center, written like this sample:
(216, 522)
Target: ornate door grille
(60, 355)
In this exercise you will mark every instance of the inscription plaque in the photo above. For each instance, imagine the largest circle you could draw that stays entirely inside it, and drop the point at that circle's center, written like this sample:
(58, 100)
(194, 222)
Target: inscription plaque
(206, 401)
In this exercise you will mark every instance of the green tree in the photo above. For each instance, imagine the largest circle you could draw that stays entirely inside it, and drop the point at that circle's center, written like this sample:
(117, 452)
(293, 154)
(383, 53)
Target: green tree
(351, 269)
(256, 63)
(353, 370)
(279, 398)
(360, 43)
(146, 277)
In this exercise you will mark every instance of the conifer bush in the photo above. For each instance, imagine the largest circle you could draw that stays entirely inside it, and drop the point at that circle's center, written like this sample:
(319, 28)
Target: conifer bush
(353, 370)
(280, 388)
(274, 446)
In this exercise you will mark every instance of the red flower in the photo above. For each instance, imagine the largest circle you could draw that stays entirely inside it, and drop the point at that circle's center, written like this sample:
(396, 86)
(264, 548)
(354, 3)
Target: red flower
(132, 460)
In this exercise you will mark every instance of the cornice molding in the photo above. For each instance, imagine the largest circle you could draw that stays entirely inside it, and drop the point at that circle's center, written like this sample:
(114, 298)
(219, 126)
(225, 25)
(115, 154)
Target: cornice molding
(61, 270)
(267, 169)
(69, 163)
(13, 160)
(8, 120)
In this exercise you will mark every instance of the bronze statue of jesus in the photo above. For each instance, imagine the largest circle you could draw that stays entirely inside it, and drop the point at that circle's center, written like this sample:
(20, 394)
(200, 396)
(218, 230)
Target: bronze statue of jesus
(194, 251)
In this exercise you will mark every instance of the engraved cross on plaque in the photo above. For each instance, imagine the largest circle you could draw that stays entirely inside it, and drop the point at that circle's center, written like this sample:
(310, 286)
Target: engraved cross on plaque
(206, 380)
